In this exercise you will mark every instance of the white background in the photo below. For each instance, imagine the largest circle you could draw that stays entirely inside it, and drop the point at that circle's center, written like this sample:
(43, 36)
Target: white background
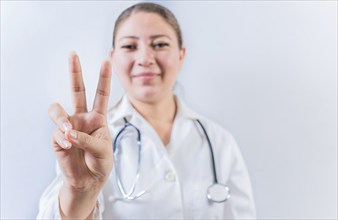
(265, 70)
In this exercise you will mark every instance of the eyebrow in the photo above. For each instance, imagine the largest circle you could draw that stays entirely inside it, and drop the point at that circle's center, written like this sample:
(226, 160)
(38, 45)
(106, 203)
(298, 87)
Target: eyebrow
(152, 37)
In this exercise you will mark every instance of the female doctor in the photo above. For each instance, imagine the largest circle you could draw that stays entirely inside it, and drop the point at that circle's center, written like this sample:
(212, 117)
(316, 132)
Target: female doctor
(150, 156)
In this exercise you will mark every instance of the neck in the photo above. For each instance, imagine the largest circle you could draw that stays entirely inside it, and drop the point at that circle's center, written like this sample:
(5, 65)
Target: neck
(162, 111)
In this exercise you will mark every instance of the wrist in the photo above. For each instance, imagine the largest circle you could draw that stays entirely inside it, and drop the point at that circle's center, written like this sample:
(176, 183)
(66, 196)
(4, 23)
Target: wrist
(89, 189)
(77, 203)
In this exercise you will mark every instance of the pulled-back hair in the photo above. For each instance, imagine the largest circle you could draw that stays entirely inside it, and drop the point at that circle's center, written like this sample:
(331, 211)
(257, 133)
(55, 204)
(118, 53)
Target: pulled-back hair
(160, 10)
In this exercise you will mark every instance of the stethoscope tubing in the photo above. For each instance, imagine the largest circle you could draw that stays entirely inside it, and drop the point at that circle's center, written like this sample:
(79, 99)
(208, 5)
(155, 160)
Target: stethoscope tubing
(211, 150)
(128, 195)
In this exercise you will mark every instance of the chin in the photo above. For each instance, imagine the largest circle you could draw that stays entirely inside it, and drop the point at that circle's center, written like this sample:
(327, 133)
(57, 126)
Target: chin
(148, 96)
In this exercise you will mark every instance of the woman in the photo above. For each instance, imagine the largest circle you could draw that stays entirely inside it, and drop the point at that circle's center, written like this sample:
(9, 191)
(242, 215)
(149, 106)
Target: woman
(150, 156)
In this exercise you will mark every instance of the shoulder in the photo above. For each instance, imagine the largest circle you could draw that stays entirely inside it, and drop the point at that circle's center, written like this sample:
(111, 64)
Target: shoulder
(212, 128)
(218, 133)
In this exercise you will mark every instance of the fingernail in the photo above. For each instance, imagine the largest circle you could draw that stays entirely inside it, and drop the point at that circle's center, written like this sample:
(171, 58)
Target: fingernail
(67, 126)
(73, 134)
(66, 144)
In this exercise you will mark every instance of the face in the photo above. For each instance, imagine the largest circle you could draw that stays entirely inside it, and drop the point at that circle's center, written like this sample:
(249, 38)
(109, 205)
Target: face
(146, 57)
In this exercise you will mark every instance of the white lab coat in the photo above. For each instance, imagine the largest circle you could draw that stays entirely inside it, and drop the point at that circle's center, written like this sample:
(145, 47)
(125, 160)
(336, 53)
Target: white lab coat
(175, 176)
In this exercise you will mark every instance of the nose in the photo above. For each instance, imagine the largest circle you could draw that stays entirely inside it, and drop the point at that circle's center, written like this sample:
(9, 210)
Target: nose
(145, 57)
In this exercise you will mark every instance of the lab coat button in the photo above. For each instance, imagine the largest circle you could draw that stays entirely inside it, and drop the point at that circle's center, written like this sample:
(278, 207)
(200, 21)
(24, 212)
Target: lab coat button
(170, 177)
(111, 198)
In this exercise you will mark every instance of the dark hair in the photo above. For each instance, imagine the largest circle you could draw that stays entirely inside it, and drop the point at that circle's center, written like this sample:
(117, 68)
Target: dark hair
(160, 10)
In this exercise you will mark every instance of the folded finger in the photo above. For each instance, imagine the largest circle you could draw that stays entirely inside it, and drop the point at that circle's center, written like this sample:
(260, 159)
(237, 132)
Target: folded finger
(60, 140)
(59, 117)
(90, 144)
(103, 89)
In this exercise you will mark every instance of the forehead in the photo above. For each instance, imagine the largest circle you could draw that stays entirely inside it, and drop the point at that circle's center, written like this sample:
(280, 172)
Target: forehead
(143, 24)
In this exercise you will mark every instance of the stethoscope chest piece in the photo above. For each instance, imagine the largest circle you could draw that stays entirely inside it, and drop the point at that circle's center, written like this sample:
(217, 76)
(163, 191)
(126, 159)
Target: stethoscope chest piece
(218, 193)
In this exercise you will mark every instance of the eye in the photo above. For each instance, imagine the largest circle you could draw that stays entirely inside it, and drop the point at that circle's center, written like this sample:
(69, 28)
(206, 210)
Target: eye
(160, 45)
(129, 47)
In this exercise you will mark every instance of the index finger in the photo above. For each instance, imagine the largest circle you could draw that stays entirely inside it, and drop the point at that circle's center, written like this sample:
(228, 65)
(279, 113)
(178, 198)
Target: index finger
(77, 86)
(59, 117)
(103, 89)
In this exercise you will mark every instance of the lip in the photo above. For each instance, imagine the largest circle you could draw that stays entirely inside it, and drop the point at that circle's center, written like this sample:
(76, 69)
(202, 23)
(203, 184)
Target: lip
(145, 76)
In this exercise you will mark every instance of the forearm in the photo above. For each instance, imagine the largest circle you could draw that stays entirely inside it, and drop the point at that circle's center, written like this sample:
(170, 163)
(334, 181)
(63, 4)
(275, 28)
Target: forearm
(77, 204)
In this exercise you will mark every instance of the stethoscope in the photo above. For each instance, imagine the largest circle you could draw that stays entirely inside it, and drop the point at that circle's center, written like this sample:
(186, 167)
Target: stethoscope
(216, 192)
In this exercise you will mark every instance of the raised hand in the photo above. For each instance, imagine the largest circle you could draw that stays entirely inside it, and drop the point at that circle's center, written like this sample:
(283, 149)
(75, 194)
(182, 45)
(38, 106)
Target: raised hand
(81, 141)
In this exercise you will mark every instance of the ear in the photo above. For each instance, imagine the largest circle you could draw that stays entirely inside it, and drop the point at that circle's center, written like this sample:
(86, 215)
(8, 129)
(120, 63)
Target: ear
(182, 56)
(111, 53)
(111, 58)
(182, 53)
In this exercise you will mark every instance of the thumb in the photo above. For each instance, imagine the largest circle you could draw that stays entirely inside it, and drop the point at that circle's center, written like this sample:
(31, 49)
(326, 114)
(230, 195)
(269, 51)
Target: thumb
(90, 144)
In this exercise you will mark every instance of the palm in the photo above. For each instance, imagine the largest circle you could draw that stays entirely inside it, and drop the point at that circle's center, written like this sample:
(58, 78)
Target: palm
(86, 164)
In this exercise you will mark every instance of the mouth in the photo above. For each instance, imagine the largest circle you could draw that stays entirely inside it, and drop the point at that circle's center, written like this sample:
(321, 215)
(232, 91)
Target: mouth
(145, 77)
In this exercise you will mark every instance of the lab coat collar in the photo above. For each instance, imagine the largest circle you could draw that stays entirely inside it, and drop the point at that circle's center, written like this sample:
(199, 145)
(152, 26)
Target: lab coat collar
(183, 111)
(124, 109)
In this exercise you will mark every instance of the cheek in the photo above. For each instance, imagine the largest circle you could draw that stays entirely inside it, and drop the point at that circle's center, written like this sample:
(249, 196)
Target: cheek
(122, 69)
(122, 64)
(170, 68)
(169, 62)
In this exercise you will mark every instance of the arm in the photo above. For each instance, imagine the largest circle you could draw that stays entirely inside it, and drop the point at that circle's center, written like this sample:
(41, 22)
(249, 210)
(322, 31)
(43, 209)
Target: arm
(241, 204)
(49, 205)
(77, 204)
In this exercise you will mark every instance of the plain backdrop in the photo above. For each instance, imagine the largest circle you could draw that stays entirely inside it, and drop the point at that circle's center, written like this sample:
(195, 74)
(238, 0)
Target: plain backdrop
(265, 70)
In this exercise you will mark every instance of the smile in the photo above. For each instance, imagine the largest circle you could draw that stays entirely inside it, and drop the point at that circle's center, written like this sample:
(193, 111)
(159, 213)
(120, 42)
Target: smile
(146, 77)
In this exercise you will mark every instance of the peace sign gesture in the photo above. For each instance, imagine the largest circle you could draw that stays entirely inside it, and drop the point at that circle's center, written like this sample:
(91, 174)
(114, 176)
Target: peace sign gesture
(82, 143)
